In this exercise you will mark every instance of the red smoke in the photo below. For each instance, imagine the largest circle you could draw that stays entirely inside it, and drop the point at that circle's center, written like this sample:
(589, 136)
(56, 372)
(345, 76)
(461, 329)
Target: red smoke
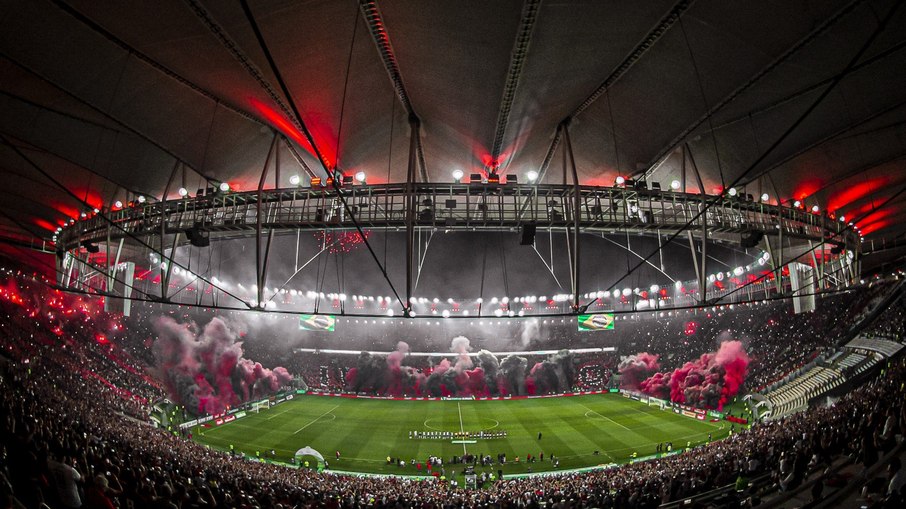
(636, 368)
(206, 372)
(707, 382)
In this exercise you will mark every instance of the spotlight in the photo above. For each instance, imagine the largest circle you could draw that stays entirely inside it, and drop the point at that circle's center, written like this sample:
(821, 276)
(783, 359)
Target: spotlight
(842, 219)
(224, 187)
(118, 204)
(797, 204)
(294, 180)
(732, 191)
(675, 185)
(620, 180)
(815, 209)
(446, 313)
(141, 198)
(532, 175)
(183, 192)
(765, 197)
(457, 175)
(360, 177)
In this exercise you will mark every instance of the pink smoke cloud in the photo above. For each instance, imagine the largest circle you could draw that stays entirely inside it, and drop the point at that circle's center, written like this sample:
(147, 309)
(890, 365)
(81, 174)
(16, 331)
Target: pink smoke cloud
(707, 382)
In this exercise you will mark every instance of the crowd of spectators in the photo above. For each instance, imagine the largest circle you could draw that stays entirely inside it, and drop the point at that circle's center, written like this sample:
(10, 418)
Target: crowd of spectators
(72, 440)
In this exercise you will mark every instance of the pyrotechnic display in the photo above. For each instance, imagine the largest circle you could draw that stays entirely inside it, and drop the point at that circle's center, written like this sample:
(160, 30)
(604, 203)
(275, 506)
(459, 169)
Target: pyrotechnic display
(398, 254)
(205, 370)
(484, 376)
(706, 382)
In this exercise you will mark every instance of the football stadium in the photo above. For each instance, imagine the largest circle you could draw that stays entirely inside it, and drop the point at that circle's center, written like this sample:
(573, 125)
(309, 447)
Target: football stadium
(434, 254)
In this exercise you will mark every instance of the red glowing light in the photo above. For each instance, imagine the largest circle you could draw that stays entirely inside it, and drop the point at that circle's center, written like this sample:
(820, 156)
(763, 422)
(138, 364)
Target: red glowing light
(854, 193)
(691, 328)
(342, 242)
(807, 188)
(287, 128)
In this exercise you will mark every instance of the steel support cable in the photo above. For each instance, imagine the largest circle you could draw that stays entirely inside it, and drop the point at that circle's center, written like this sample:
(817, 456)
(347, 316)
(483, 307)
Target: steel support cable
(68, 9)
(814, 86)
(27, 145)
(324, 163)
(786, 55)
(836, 134)
(848, 227)
(710, 203)
(701, 90)
(59, 112)
(97, 269)
(381, 39)
(517, 61)
(647, 42)
(227, 42)
(107, 219)
(374, 315)
(98, 110)
(355, 27)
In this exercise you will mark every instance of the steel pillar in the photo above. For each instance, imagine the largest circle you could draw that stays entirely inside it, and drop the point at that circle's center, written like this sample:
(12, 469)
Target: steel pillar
(704, 217)
(261, 264)
(165, 271)
(411, 208)
(577, 214)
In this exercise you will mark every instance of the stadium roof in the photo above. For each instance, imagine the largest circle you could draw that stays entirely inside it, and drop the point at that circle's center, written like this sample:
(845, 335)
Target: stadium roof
(799, 100)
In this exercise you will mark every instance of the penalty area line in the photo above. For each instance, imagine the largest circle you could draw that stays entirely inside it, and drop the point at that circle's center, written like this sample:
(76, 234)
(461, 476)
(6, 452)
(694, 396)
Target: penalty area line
(316, 419)
(604, 417)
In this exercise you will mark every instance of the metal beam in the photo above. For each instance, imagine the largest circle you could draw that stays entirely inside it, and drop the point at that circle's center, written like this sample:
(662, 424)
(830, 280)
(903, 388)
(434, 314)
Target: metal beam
(517, 60)
(786, 55)
(577, 215)
(410, 212)
(641, 48)
(381, 38)
(261, 265)
(687, 152)
(165, 272)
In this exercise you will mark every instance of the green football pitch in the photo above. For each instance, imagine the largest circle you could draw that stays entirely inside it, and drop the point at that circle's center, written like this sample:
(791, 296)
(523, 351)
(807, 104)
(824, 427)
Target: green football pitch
(367, 431)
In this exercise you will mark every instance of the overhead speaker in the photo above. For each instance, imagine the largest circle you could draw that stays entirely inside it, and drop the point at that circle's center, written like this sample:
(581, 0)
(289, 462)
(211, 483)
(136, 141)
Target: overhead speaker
(198, 237)
(91, 248)
(751, 240)
(528, 235)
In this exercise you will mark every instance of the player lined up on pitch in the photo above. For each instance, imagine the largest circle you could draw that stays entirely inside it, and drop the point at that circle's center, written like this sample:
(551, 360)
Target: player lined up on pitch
(454, 435)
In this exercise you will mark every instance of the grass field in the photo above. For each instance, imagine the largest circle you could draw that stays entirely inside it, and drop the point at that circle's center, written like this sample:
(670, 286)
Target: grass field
(366, 431)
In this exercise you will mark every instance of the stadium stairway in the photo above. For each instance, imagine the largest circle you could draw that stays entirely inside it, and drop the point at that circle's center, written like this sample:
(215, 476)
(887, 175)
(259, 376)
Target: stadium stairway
(855, 358)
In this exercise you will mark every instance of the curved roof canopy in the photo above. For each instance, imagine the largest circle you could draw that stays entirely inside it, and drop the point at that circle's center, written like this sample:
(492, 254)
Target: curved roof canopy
(101, 101)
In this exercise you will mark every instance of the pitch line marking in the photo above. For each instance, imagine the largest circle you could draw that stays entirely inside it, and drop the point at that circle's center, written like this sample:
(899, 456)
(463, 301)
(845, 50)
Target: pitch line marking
(317, 419)
(461, 429)
(287, 409)
(603, 417)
